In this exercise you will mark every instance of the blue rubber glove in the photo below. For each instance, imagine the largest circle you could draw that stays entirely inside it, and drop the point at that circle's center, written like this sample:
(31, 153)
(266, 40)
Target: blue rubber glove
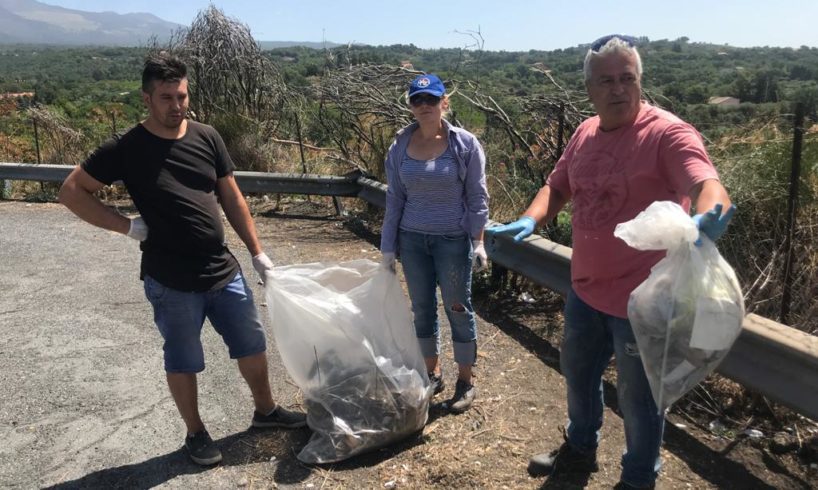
(713, 223)
(523, 227)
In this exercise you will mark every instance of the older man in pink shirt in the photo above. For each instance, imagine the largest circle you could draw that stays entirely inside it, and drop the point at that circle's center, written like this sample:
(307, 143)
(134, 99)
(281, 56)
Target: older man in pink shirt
(617, 163)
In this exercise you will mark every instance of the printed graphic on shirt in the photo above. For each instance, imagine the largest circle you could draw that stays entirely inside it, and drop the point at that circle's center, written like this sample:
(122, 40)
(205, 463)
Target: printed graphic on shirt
(599, 189)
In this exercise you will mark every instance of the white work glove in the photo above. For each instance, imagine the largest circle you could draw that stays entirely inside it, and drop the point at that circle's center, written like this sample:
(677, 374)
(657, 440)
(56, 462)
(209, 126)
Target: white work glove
(388, 261)
(263, 265)
(479, 261)
(138, 230)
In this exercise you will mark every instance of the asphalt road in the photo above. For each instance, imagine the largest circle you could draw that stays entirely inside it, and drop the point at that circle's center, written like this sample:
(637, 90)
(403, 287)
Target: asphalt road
(84, 402)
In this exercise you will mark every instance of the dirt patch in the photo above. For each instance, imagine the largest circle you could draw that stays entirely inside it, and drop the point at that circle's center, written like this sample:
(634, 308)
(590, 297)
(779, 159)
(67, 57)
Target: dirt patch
(521, 406)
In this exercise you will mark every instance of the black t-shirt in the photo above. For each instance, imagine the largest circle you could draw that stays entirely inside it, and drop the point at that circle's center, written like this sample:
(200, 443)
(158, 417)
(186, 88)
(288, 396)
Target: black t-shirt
(173, 184)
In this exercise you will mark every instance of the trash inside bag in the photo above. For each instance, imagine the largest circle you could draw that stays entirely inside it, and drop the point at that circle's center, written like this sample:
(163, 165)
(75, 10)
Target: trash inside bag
(688, 312)
(345, 335)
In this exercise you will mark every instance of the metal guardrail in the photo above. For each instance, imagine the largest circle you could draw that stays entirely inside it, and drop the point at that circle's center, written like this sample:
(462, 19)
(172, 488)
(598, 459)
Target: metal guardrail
(775, 360)
(29, 171)
(274, 183)
(372, 191)
(320, 185)
(543, 261)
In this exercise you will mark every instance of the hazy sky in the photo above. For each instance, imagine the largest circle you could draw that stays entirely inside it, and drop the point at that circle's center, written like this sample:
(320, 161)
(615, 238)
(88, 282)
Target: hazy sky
(512, 25)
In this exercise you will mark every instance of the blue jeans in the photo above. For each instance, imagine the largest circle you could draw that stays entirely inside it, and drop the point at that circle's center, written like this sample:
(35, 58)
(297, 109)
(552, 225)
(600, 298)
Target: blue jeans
(179, 316)
(444, 260)
(591, 337)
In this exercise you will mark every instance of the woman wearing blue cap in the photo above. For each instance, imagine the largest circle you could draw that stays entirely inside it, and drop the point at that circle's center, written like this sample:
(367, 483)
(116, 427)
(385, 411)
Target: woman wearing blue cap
(436, 209)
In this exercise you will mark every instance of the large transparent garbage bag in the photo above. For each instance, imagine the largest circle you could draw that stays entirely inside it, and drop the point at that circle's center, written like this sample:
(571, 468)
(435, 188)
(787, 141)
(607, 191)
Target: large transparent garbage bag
(688, 312)
(345, 335)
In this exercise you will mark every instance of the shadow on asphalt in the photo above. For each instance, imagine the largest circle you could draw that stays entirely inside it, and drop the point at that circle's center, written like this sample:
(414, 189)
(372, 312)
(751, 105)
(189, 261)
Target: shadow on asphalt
(250, 446)
(279, 448)
(710, 465)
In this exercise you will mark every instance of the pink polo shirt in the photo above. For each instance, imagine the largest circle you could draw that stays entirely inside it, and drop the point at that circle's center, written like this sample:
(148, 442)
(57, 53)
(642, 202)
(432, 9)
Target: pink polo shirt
(610, 177)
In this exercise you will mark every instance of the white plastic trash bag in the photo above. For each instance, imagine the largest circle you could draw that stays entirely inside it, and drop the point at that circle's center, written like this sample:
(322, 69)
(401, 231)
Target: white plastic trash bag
(688, 312)
(345, 335)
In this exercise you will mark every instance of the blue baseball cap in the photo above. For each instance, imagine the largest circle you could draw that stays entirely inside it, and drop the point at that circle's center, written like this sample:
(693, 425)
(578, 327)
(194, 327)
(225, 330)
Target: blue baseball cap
(427, 84)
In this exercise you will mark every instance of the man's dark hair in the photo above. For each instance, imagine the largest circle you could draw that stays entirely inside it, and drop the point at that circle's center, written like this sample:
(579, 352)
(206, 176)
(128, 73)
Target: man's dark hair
(162, 67)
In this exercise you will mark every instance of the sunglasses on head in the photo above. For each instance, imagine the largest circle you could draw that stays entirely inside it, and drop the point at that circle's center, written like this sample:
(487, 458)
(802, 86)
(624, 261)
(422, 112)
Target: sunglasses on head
(599, 43)
(420, 99)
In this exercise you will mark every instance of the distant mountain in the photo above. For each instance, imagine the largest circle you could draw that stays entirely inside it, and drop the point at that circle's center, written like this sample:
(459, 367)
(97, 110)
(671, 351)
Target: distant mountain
(33, 22)
(290, 44)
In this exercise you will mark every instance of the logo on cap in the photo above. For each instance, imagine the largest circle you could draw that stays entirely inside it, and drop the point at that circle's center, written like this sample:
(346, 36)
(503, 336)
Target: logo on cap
(423, 82)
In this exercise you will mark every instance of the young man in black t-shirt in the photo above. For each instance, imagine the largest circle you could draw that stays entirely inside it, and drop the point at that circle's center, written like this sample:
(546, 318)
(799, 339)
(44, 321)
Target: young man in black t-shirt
(178, 172)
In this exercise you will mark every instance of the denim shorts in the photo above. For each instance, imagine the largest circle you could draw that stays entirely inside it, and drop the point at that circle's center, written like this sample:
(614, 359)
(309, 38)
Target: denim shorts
(179, 315)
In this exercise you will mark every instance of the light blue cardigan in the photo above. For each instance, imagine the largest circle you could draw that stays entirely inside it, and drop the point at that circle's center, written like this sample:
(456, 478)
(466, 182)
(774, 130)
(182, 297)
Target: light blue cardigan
(471, 161)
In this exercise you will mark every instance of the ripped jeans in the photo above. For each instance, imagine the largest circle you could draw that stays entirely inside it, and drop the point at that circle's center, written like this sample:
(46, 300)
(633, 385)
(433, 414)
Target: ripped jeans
(444, 260)
(591, 338)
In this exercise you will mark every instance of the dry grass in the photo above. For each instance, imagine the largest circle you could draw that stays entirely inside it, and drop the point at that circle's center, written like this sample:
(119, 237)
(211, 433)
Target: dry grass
(757, 177)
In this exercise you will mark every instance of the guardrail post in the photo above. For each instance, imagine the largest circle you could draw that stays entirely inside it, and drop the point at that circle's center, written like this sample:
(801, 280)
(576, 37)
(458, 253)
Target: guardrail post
(339, 206)
(792, 211)
(560, 131)
(36, 140)
(499, 277)
(5, 189)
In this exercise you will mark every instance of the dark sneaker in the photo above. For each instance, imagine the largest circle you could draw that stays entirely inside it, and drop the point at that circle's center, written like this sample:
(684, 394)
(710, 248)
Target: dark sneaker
(279, 417)
(565, 458)
(464, 394)
(436, 380)
(202, 449)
